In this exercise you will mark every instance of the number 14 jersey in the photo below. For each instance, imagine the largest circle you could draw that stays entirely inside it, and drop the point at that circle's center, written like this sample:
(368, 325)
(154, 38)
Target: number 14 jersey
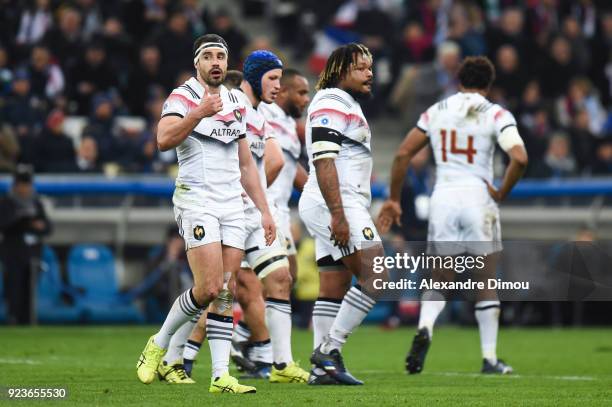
(463, 130)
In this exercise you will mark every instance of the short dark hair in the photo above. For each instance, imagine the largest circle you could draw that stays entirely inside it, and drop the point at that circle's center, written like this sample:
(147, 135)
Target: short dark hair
(339, 63)
(476, 73)
(233, 79)
(288, 75)
(208, 38)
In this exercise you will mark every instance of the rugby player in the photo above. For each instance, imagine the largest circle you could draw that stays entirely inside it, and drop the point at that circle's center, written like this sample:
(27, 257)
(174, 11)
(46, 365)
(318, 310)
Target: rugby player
(463, 131)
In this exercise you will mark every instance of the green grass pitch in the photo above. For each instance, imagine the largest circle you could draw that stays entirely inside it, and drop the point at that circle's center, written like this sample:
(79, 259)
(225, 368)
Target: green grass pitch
(97, 364)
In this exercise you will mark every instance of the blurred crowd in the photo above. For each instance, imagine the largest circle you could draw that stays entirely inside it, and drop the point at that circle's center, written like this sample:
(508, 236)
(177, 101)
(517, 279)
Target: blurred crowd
(553, 61)
(82, 82)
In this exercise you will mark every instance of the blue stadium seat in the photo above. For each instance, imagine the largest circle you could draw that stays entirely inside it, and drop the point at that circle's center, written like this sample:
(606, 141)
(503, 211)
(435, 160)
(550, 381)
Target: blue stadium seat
(91, 270)
(51, 307)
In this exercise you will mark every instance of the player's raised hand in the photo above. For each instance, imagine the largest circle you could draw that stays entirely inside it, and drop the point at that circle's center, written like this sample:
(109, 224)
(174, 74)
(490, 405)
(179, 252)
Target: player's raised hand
(210, 105)
(269, 228)
(339, 228)
(390, 213)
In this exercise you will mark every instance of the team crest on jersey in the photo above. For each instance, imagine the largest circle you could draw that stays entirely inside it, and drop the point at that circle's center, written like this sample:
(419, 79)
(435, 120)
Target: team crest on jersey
(238, 115)
(368, 233)
(198, 232)
(226, 123)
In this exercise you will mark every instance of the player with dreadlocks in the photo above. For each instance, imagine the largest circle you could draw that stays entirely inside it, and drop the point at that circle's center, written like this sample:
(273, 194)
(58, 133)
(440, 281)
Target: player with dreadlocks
(335, 207)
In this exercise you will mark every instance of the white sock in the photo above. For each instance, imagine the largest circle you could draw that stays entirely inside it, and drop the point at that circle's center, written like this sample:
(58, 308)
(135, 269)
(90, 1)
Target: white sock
(183, 309)
(179, 339)
(354, 308)
(487, 315)
(323, 315)
(278, 320)
(432, 304)
(242, 333)
(191, 350)
(261, 352)
(219, 334)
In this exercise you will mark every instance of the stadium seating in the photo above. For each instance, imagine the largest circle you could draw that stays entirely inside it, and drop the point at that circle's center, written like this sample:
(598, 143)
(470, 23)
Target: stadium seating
(91, 270)
(51, 307)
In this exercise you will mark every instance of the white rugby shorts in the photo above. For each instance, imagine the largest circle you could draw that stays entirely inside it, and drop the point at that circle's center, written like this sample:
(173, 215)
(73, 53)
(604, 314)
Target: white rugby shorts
(463, 220)
(208, 225)
(262, 259)
(317, 219)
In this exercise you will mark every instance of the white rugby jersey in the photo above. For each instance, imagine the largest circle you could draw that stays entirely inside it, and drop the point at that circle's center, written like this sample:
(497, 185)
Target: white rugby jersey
(209, 171)
(463, 130)
(257, 132)
(284, 128)
(347, 141)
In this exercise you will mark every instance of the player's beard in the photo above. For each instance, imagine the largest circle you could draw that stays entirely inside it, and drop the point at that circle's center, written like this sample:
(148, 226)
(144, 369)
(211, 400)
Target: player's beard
(214, 83)
(359, 95)
(294, 111)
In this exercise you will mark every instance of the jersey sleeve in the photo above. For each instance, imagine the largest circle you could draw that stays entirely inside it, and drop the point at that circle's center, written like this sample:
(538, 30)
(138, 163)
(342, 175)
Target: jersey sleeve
(329, 121)
(269, 131)
(502, 120)
(423, 122)
(177, 104)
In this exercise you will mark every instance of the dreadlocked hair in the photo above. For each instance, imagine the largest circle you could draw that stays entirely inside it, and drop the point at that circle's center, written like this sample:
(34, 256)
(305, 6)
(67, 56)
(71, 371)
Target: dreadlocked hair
(339, 63)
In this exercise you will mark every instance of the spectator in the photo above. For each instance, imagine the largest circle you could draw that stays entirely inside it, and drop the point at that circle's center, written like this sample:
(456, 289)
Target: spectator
(223, 25)
(582, 141)
(100, 127)
(9, 148)
(46, 77)
(22, 225)
(558, 69)
(64, 41)
(175, 42)
(603, 163)
(510, 75)
(92, 18)
(147, 75)
(91, 75)
(536, 136)
(558, 161)
(600, 57)
(35, 20)
(136, 149)
(6, 76)
(578, 43)
(87, 156)
(421, 86)
(168, 270)
(118, 45)
(197, 15)
(509, 32)
(163, 161)
(55, 150)
(416, 190)
(414, 46)
(155, 14)
(464, 32)
(25, 113)
(580, 96)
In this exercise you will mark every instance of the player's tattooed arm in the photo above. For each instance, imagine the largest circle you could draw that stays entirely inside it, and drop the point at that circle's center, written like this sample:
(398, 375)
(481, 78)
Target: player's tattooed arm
(173, 130)
(391, 210)
(249, 177)
(274, 160)
(327, 178)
